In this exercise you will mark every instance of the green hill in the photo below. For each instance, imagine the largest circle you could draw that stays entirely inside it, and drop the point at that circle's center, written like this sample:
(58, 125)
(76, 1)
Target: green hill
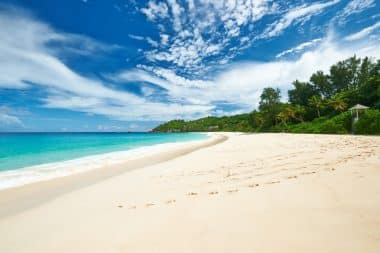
(208, 124)
(317, 106)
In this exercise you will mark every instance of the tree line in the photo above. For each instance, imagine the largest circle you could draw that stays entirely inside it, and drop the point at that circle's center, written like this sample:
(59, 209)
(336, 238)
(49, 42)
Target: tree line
(349, 82)
(318, 105)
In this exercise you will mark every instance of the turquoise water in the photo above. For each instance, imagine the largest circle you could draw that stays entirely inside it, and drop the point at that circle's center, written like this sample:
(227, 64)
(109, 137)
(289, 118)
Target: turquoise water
(18, 150)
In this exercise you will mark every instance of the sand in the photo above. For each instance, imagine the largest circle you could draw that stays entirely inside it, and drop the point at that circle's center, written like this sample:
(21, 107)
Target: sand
(249, 193)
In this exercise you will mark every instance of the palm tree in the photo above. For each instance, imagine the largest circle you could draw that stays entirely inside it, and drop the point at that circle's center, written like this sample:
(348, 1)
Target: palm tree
(287, 113)
(317, 103)
(282, 117)
(337, 103)
(299, 111)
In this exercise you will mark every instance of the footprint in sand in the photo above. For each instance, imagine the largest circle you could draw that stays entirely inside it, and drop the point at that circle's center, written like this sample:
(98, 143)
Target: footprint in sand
(171, 201)
(308, 173)
(273, 182)
(120, 206)
(213, 193)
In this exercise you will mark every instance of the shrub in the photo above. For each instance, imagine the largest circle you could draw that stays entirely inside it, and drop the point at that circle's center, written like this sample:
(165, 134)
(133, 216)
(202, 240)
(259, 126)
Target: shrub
(340, 124)
(368, 123)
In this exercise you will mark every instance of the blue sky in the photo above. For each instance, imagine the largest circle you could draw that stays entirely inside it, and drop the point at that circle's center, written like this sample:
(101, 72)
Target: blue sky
(92, 65)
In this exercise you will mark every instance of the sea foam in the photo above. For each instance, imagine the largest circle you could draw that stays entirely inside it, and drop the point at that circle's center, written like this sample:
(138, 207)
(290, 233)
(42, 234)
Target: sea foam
(43, 172)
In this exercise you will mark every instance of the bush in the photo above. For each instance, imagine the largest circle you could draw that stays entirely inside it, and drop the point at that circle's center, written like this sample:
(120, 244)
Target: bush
(304, 127)
(368, 123)
(340, 124)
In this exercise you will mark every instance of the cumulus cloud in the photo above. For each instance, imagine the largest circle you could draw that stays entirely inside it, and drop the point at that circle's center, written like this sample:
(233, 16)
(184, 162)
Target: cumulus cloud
(209, 33)
(205, 30)
(27, 58)
(241, 83)
(155, 10)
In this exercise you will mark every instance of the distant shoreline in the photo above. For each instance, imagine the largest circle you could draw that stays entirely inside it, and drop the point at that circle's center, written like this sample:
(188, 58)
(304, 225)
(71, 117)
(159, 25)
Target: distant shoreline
(52, 187)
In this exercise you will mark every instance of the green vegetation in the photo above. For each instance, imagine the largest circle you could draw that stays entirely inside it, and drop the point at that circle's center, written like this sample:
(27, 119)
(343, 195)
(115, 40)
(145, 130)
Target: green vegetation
(240, 123)
(369, 123)
(317, 106)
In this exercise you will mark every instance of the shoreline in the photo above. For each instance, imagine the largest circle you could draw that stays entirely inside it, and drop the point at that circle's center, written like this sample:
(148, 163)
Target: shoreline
(50, 188)
(28, 174)
(304, 192)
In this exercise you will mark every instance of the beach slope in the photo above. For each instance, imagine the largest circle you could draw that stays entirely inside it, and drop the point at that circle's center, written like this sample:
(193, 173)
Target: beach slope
(250, 193)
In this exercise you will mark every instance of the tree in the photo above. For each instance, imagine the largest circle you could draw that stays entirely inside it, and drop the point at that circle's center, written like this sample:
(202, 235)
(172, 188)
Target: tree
(375, 68)
(270, 105)
(322, 85)
(369, 91)
(256, 119)
(365, 69)
(301, 93)
(299, 112)
(317, 103)
(337, 103)
(345, 74)
(286, 114)
(269, 97)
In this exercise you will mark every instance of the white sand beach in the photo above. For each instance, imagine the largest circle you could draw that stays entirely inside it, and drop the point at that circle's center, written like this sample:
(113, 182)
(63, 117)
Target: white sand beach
(245, 193)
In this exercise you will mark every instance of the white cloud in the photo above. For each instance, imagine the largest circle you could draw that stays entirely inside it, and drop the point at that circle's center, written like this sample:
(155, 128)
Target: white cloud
(136, 37)
(176, 10)
(152, 42)
(155, 10)
(241, 83)
(212, 32)
(164, 39)
(363, 33)
(149, 40)
(205, 29)
(145, 111)
(300, 47)
(354, 7)
(117, 128)
(297, 14)
(9, 120)
(26, 59)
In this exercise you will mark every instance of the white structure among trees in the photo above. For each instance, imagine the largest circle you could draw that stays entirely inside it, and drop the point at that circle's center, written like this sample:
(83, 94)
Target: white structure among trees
(356, 109)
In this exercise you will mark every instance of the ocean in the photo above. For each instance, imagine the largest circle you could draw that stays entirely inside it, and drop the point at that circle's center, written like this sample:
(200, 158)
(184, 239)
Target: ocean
(29, 157)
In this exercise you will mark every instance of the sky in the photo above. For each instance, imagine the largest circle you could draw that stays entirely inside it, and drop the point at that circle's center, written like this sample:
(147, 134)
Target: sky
(129, 65)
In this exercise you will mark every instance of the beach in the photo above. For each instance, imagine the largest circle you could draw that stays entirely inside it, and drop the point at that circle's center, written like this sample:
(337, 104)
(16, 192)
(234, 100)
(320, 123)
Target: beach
(234, 192)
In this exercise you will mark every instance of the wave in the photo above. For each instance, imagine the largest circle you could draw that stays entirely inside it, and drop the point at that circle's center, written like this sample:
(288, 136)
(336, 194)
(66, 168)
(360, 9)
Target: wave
(43, 172)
